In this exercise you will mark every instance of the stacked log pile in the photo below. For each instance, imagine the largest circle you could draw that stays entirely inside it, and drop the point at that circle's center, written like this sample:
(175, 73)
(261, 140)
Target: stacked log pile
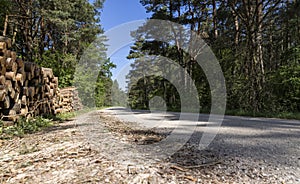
(69, 100)
(27, 89)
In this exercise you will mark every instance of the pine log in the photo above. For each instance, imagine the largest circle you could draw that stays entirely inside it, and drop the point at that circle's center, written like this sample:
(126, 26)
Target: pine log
(16, 97)
(47, 95)
(25, 91)
(47, 72)
(55, 80)
(2, 65)
(10, 76)
(37, 91)
(2, 70)
(29, 67)
(28, 115)
(20, 63)
(2, 60)
(21, 70)
(31, 92)
(6, 102)
(47, 88)
(17, 108)
(20, 78)
(2, 79)
(7, 53)
(8, 63)
(13, 55)
(35, 82)
(14, 67)
(26, 83)
(52, 92)
(52, 85)
(2, 46)
(24, 100)
(12, 93)
(3, 93)
(8, 85)
(6, 40)
(11, 115)
(37, 71)
(17, 88)
(24, 111)
(28, 75)
(46, 80)
(37, 112)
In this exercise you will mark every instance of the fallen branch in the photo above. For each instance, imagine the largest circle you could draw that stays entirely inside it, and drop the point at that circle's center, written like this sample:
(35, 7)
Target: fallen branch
(204, 165)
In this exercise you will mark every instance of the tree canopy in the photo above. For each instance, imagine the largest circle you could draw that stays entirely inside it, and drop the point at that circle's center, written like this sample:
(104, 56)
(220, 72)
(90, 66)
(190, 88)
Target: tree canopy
(256, 42)
(55, 34)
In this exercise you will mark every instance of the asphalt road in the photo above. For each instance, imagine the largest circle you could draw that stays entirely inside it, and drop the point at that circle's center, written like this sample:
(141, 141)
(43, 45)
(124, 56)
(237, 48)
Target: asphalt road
(255, 142)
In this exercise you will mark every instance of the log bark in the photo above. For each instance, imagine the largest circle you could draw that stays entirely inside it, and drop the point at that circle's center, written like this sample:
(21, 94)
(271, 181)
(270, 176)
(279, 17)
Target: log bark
(29, 67)
(20, 78)
(6, 40)
(20, 63)
(10, 76)
(3, 93)
(2, 79)
(2, 46)
(24, 100)
(27, 89)
(6, 102)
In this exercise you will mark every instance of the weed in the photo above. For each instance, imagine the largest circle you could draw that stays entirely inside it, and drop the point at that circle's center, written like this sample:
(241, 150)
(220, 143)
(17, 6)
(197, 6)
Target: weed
(23, 126)
(24, 149)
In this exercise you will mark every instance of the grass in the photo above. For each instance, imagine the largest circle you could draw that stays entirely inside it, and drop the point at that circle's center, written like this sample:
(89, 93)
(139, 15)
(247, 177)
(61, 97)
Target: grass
(23, 126)
(25, 149)
(32, 125)
(61, 117)
(282, 115)
(66, 116)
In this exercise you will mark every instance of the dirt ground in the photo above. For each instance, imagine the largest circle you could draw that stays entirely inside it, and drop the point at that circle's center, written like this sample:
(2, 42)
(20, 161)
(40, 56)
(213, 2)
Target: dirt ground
(66, 153)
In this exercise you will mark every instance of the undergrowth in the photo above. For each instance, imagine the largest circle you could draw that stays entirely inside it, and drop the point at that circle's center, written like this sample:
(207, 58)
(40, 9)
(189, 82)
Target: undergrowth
(28, 126)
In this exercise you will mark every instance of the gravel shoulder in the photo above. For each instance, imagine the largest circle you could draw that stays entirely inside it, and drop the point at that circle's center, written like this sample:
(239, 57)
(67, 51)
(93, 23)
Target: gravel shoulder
(95, 147)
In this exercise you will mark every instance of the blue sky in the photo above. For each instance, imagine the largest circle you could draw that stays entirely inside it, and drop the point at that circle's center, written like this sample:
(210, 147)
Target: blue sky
(115, 13)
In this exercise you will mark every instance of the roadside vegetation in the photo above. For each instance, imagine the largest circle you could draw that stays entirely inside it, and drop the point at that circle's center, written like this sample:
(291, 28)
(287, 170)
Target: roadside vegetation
(32, 125)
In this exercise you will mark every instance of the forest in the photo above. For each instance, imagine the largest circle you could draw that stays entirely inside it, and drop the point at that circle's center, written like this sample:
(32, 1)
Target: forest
(257, 44)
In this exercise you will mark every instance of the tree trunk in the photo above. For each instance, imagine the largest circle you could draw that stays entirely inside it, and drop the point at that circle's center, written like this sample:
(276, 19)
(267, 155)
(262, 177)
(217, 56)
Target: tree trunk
(236, 42)
(215, 18)
(259, 51)
(5, 25)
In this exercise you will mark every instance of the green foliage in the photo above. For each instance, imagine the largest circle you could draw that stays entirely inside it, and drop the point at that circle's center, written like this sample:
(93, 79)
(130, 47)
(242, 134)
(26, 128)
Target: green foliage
(32, 125)
(60, 117)
(258, 51)
(103, 90)
(25, 127)
(65, 116)
(93, 73)
(291, 56)
(283, 115)
(119, 97)
(52, 33)
(286, 86)
(63, 66)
